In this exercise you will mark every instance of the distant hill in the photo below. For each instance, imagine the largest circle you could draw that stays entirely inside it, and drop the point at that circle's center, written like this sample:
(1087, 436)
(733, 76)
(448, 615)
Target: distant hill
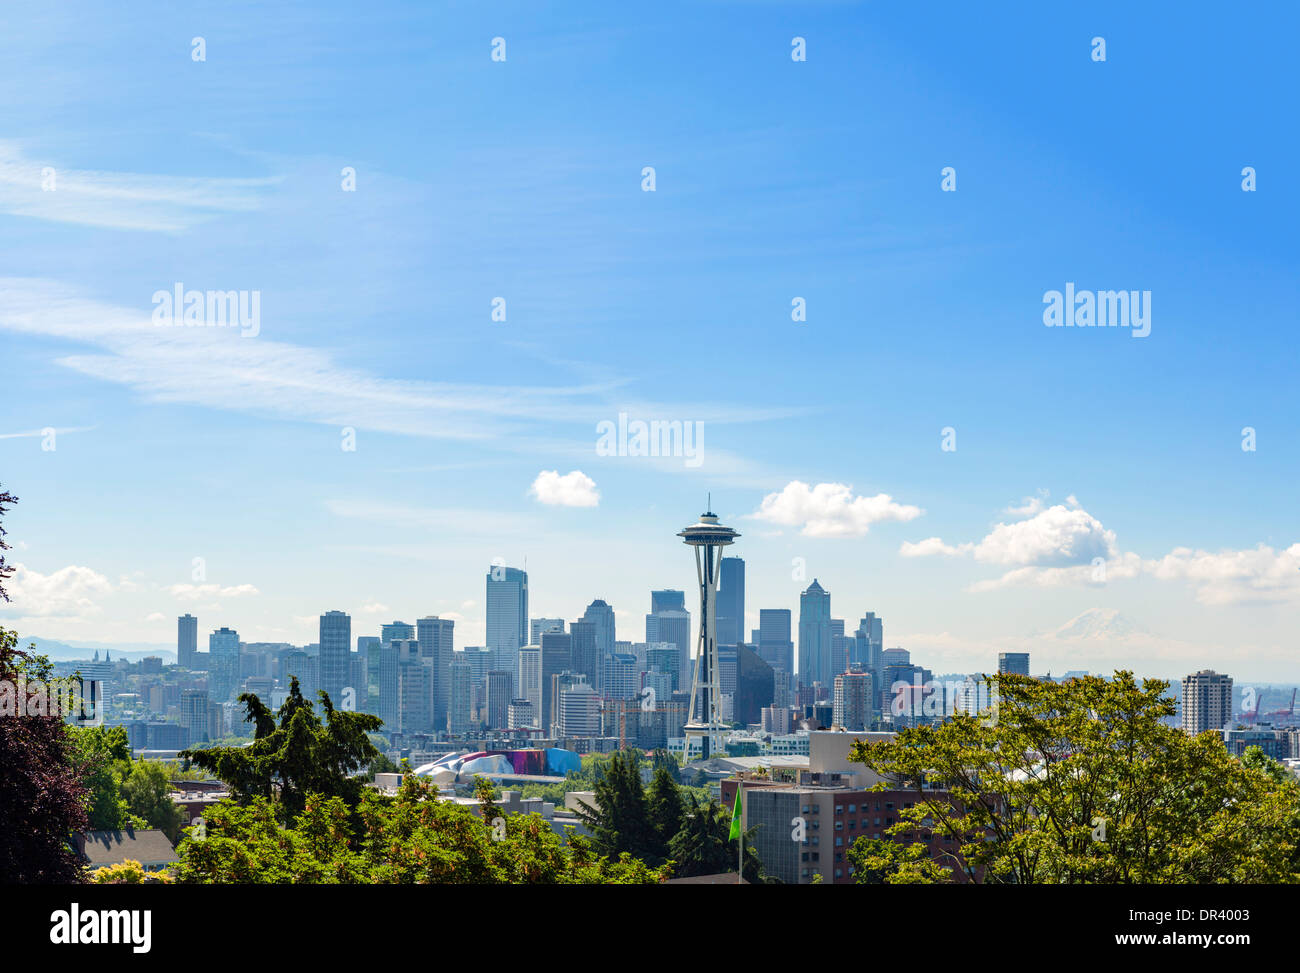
(68, 651)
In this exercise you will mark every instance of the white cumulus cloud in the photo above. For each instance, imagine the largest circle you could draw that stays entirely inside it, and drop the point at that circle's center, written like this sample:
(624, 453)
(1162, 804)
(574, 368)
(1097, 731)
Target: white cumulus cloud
(933, 545)
(70, 591)
(831, 509)
(1056, 537)
(575, 489)
(1229, 577)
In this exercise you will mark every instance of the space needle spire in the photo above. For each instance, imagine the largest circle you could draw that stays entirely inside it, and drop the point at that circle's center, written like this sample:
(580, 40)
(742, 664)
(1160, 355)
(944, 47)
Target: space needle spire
(704, 722)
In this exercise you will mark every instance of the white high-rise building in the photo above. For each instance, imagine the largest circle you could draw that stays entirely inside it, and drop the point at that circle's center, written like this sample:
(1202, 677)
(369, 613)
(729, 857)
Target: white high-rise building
(579, 711)
(529, 677)
(1207, 702)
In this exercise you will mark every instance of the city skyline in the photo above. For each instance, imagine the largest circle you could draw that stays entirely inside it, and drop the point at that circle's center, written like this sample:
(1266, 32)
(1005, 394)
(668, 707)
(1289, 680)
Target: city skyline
(388, 431)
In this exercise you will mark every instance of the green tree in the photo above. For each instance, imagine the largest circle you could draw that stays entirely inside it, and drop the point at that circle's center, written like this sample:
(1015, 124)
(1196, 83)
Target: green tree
(413, 838)
(666, 811)
(295, 756)
(620, 822)
(104, 754)
(382, 764)
(1080, 782)
(703, 845)
(147, 793)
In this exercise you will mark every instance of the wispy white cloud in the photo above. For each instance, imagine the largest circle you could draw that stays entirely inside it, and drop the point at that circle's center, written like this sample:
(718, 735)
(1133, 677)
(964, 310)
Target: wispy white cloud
(34, 433)
(199, 592)
(46, 190)
(217, 368)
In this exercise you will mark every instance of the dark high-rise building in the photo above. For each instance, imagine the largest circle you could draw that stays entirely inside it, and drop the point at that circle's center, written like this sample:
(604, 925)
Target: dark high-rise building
(435, 636)
(1016, 663)
(507, 614)
(335, 648)
(500, 690)
(557, 657)
(386, 677)
(587, 656)
(774, 644)
(755, 685)
(187, 640)
(731, 601)
(667, 599)
(815, 658)
(460, 694)
(601, 615)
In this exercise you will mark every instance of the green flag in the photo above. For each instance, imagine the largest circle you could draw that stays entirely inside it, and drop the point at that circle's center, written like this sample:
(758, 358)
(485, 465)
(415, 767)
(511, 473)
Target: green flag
(735, 818)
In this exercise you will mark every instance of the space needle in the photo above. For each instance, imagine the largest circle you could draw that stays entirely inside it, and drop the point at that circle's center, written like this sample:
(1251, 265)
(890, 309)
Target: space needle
(708, 537)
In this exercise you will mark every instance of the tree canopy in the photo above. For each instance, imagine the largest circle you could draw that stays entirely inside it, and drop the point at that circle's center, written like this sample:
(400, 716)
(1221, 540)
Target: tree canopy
(413, 838)
(294, 753)
(1079, 782)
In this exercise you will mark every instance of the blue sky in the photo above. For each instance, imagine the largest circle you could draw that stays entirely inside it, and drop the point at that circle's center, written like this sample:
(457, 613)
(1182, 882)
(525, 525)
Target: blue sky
(775, 179)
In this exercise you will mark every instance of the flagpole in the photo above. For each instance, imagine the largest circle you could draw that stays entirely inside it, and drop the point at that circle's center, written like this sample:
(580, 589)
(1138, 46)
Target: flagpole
(740, 865)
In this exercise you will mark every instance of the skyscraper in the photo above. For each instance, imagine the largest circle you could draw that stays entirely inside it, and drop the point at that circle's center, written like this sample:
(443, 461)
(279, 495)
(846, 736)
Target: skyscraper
(755, 685)
(1013, 662)
(1207, 701)
(870, 638)
(731, 602)
(669, 621)
(667, 599)
(387, 682)
(853, 700)
(539, 625)
(435, 636)
(706, 538)
(500, 690)
(507, 614)
(774, 644)
(601, 615)
(223, 664)
(460, 694)
(815, 664)
(557, 657)
(530, 680)
(587, 656)
(194, 714)
(396, 630)
(335, 646)
(187, 640)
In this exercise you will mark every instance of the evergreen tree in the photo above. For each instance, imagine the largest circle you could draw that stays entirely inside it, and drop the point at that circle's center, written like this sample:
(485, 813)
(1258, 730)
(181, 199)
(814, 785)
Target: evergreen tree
(620, 822)
(296, 756)
(667, 813)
